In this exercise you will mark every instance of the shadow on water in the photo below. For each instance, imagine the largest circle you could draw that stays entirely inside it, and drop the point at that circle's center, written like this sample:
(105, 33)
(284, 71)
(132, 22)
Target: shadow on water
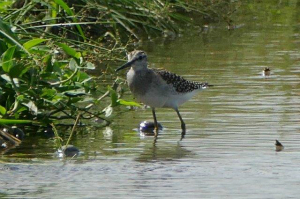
(160, 150)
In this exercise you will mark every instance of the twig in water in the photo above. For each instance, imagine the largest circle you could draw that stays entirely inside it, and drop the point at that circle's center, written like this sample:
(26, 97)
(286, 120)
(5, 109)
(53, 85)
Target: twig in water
(11, 138)
(73, 129)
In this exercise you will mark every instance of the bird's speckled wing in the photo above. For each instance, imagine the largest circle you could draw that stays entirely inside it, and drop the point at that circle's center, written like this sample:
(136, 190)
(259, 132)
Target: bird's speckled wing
(179, 83)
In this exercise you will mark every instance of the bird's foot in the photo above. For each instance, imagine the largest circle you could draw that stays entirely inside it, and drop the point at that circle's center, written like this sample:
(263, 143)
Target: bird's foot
(182, 135)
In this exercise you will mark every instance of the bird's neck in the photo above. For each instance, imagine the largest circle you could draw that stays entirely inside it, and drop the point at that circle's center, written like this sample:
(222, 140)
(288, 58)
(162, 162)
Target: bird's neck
(139, 68)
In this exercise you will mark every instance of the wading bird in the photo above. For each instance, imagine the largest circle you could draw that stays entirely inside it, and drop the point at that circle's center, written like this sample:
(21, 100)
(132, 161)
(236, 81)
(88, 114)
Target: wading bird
(158, 88)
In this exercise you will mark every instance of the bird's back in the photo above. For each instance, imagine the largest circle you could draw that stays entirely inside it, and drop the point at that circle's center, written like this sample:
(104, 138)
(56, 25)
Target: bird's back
(180, 89)
(180, 84)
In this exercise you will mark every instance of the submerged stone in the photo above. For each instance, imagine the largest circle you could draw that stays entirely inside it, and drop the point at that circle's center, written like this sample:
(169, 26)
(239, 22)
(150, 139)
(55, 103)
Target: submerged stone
(49, 133)
(3, 144)
(98, 120)
(18, 133)
(68, 151)
(148, 127)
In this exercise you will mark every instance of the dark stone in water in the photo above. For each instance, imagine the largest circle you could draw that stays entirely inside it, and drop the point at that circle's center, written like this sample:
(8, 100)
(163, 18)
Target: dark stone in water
(98, 120)
(3, 144)
(70, 151)
(49, 133)
(18, 133)
(148, 127)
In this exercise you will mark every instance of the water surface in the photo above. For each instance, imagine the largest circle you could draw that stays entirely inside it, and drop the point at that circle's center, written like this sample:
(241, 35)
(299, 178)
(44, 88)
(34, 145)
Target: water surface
(228, 151)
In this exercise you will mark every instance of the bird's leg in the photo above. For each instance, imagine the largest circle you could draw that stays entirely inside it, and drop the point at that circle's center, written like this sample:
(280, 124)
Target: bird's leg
(155, 122)
(181, 120)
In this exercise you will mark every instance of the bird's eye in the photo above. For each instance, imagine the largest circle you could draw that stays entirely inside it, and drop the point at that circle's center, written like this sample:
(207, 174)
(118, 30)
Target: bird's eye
(141, 57)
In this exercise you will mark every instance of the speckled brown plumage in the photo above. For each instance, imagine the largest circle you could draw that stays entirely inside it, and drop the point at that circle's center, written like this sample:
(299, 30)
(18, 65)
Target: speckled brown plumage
(179, 83)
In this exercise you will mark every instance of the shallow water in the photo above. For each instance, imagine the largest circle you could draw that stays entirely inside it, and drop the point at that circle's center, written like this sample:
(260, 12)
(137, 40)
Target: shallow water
(228, 151)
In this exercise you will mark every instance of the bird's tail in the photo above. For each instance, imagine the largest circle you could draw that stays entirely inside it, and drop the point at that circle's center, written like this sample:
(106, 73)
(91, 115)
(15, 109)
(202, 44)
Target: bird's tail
(206, 85)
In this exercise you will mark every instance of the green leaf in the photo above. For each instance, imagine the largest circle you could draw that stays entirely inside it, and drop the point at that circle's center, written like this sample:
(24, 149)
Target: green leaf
(3, 46)
(7, 58)
(86, 80)
(113, 97)
(75, 94)
(6, 78)
(31, 106)
(47, 61)
(70, 51)
(82, 76)
(128, 103)
(67, 88)
(108, 111)
(21, 109)
(74, 100)
(2, 110)
(48, 93)
(12, 121)
(65, 7)
(31, 43)
(6, 32)
(4, 5)
(73, 64)
(16, 71)
(90, 66)
(20, 98)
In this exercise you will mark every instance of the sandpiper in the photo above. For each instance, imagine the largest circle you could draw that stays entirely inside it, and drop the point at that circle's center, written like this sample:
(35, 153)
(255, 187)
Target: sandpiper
(158, 88)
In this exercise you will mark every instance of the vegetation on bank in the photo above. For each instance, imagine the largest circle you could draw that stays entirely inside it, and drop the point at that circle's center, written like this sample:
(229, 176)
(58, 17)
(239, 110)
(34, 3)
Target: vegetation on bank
(49, 49)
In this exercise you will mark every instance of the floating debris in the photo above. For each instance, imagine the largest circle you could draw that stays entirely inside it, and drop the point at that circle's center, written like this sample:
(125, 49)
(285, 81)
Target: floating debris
(15, 131)
(6, 135)
(279, 146)
(10, 137)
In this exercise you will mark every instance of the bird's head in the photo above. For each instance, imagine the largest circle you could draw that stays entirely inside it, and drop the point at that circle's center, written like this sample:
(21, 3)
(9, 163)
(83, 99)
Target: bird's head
(137, 59)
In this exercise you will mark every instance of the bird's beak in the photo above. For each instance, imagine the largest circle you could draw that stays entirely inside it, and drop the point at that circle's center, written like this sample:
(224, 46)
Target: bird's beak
(128, 64)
